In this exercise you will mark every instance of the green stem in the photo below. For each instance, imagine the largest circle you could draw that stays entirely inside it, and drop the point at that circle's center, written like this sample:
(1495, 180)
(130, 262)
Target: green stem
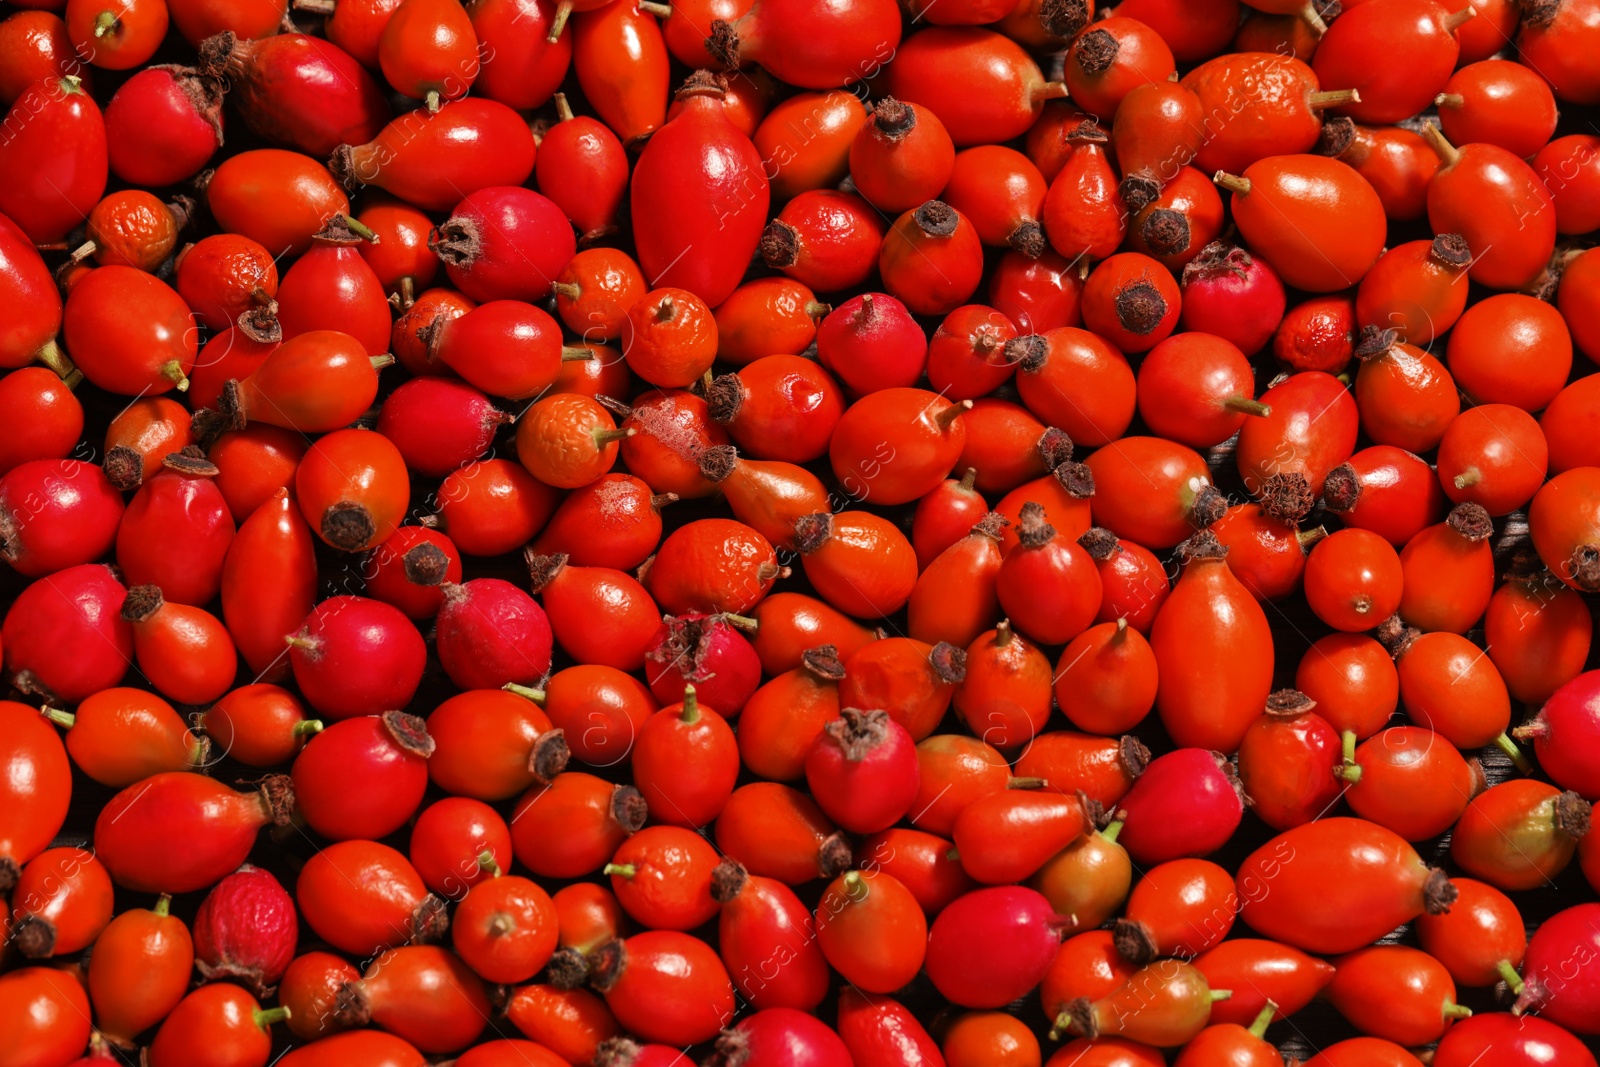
(1509, 747)
(1221, 994)
(1247, 406)
(619, 870)
(1349, 770)
(559, 23)
(1447, 152)
(1112, 830)
(487, 864)
(1457, 1011)
(743, 622)
(265, 1017)
(855, 886)
(1264, 1020)
(1027, 783)
(1509, 975)
(691, 706)
(360, 229)
(307, 728)
(164, 906)
(51, 355)
(172, 371)
(525, 691)
(63, 719)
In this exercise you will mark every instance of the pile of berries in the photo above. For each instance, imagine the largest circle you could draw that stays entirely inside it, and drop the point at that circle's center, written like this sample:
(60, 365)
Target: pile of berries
(766, 533)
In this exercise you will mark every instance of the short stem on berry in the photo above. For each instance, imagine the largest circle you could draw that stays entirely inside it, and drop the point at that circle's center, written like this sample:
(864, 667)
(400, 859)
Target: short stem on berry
(1509, 747)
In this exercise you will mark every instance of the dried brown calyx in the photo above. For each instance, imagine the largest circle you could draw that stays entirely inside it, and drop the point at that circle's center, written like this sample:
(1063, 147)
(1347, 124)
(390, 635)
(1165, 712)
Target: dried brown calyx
(1133, 755)
(457, 240)
(727, 878)
(893, 119)
(1028, 351)
(935, 218)
(221, 56)
(192, 461)
(1471, 521)
(1028, 238)
(811, 532)
(1076, 478)
(1139, 192)
(1539, 12)
(1287, 497)
(1338, 134)
(1215, 260)
(543, 569)
(1032, 529)
(141, 604)
(717, 461)
(1100, 543)
(993, 524)
(709, 82)
(1585, 564)
(348, 526)
(568, 969)
(425, 564)
(1374, 341)
(724, 397)
(628, 808)
(949, 663)
(823, 663)
(606, 964)
(1089, 131)
(409, 732)
(1140, 307)
(1203, 546)
(1064, 19)
(260, 323)
(549, 756)
(1095, 51)
(858, 731)
(780, 245)
(834, 855)
(1572, 815)
(1438, 892)
(1134, 941)
(341, 229)
(1288, 704)
(1341, 490)
(1395, 636)
(1055, 447)
(1451, 250)
(124, 469)
(1209, 505)
(1165, 231)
